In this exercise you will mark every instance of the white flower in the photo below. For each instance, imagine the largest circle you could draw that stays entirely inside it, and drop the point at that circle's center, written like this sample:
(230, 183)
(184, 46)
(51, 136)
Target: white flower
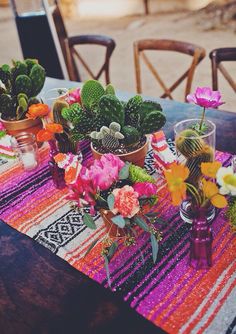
(226, 178)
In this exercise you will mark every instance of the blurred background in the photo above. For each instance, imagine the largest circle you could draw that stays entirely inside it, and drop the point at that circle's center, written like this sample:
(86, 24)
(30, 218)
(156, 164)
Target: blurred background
(210, 24)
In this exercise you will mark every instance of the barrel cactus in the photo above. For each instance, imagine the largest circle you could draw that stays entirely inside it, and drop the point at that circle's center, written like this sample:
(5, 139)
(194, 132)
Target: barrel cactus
(24, 77)
(188, 143)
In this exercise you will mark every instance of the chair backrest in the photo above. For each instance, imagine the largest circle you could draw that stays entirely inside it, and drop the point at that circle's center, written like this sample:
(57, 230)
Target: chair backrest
(218, 56)
(73, 54)
(140, 46)
(69, 46)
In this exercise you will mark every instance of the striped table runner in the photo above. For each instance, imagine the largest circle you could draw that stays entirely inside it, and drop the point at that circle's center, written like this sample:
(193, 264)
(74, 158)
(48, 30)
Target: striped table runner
(170, 293)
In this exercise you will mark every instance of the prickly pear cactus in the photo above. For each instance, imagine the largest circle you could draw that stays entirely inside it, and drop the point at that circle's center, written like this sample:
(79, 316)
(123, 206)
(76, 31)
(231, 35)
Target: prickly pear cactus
(71, 112)
(23, 84)
(111, 109)
(131, 134)
(22, 108)
(30, 63)
(91, 93)
(188, 143)
(110, 90)
(34, 100)
(132, 111)
(153, 122)
(37, 76)
(84, 124)
(19, 68)
(147, 107)
(7, 106)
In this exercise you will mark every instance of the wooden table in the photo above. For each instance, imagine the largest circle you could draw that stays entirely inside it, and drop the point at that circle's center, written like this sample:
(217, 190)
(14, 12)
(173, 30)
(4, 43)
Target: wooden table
(41, 293)
(225, 121)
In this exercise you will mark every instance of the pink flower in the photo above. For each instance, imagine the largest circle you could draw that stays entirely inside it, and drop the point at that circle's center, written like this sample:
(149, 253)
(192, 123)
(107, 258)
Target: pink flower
(145, 189)
(2, 128)
(105, 172)
(83, 191)
(74, 96)
(205, 97)
(126, 201)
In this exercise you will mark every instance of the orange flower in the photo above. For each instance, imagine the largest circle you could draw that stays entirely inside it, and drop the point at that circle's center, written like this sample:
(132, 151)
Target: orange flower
(44, 135)
(37, 110)
(54, 127)
(210, 168)
(175, 178)
(210, 190)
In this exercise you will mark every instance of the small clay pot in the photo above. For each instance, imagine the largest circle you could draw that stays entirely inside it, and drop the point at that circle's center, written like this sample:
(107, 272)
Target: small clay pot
(137, 157)
(112, 229)
(25, 125)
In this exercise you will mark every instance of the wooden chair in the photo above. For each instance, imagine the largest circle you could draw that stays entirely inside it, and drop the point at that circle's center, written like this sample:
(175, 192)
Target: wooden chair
(218, 56)
(70, 52)
(140, 46)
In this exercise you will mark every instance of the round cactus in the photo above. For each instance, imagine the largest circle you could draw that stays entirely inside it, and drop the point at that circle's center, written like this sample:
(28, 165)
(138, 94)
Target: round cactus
(153, 122)
(91, 93)
(188, 143)
(132, 135)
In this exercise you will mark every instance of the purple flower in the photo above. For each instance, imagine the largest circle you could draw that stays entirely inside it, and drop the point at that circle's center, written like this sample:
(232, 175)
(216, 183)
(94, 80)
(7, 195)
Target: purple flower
(205, 97)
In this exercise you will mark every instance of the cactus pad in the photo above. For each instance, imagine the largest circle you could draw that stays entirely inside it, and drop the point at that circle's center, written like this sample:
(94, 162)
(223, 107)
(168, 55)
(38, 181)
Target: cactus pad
(91, 93)
(132, 135)
(37, 76)
(23, 84)
(111, 109)
(153, 122)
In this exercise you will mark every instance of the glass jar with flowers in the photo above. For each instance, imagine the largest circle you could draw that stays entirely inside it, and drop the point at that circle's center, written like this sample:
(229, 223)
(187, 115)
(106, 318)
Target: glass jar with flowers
(205, 193)
(195, 144)
(122, 192)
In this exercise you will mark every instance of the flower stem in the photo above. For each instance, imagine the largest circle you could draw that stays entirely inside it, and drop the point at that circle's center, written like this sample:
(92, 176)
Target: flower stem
(202, 119)
(195, 193)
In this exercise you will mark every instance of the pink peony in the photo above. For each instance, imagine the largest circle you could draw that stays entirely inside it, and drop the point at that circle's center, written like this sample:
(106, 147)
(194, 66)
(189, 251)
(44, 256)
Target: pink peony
(126, 201)
(145, 189)
(205, 97)
(74, 96)
(105, 172)
(83, 191)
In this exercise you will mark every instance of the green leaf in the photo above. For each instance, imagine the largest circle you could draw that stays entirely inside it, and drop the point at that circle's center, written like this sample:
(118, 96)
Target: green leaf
(107, 269)
(91, 247)
(112, 250)
(119, 221)
(88, 221)
(111, 201)
(124, 172)
(155, 247)
(141, 223)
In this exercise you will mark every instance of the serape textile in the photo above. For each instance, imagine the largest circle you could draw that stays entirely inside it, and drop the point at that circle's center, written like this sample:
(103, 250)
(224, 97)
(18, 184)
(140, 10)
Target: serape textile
(172, 295)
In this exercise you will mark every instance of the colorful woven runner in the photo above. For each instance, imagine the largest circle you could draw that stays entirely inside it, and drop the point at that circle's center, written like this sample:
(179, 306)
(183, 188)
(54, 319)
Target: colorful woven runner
(172, 295)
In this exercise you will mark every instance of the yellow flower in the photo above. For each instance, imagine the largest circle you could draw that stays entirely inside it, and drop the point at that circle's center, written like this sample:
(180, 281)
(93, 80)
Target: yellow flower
(175, 178)
(210, 168)
(210, 190)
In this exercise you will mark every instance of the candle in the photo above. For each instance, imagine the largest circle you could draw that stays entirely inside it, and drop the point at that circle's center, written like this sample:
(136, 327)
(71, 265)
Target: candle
(29, 160)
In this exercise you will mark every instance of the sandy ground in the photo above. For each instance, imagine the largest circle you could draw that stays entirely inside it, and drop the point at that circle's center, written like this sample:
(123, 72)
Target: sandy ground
(178, 26)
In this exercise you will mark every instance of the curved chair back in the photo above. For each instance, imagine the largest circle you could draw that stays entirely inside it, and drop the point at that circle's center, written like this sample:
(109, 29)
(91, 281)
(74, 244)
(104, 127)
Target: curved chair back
(196, 52)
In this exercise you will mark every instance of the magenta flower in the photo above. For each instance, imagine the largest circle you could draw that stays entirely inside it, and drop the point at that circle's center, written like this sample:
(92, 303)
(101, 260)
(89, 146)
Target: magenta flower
(2, 128)
(205, 97)
(74, 96)
(105, 172)
(145, 189)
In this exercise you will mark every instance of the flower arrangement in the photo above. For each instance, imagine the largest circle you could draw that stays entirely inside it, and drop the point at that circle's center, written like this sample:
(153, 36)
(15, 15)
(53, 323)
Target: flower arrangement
(113, 126)
(122, 192)
(19, 86)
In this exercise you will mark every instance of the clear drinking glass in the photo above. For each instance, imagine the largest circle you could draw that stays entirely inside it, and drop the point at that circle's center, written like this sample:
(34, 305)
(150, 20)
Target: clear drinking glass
(26, 149)
(192, 149)
(54, 94)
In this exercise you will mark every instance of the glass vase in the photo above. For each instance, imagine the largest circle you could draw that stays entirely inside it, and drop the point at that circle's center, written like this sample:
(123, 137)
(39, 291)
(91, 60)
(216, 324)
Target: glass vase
(201, 241)
(193, 148)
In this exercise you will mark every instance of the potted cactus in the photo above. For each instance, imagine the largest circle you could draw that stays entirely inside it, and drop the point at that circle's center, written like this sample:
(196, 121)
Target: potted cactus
(19, 86)
(112, 125)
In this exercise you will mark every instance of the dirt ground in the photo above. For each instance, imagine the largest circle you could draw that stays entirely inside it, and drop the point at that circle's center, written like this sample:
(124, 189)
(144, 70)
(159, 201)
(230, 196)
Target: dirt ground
(179, 26)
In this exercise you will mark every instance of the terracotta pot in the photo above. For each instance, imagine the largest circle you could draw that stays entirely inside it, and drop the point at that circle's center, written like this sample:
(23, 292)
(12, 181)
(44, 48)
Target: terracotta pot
(25, 125)
(112, 229)
(137, 157)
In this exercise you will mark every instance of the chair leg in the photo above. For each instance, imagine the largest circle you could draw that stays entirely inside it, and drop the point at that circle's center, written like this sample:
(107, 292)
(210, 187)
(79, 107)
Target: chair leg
(146, 7)
(214, 73)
